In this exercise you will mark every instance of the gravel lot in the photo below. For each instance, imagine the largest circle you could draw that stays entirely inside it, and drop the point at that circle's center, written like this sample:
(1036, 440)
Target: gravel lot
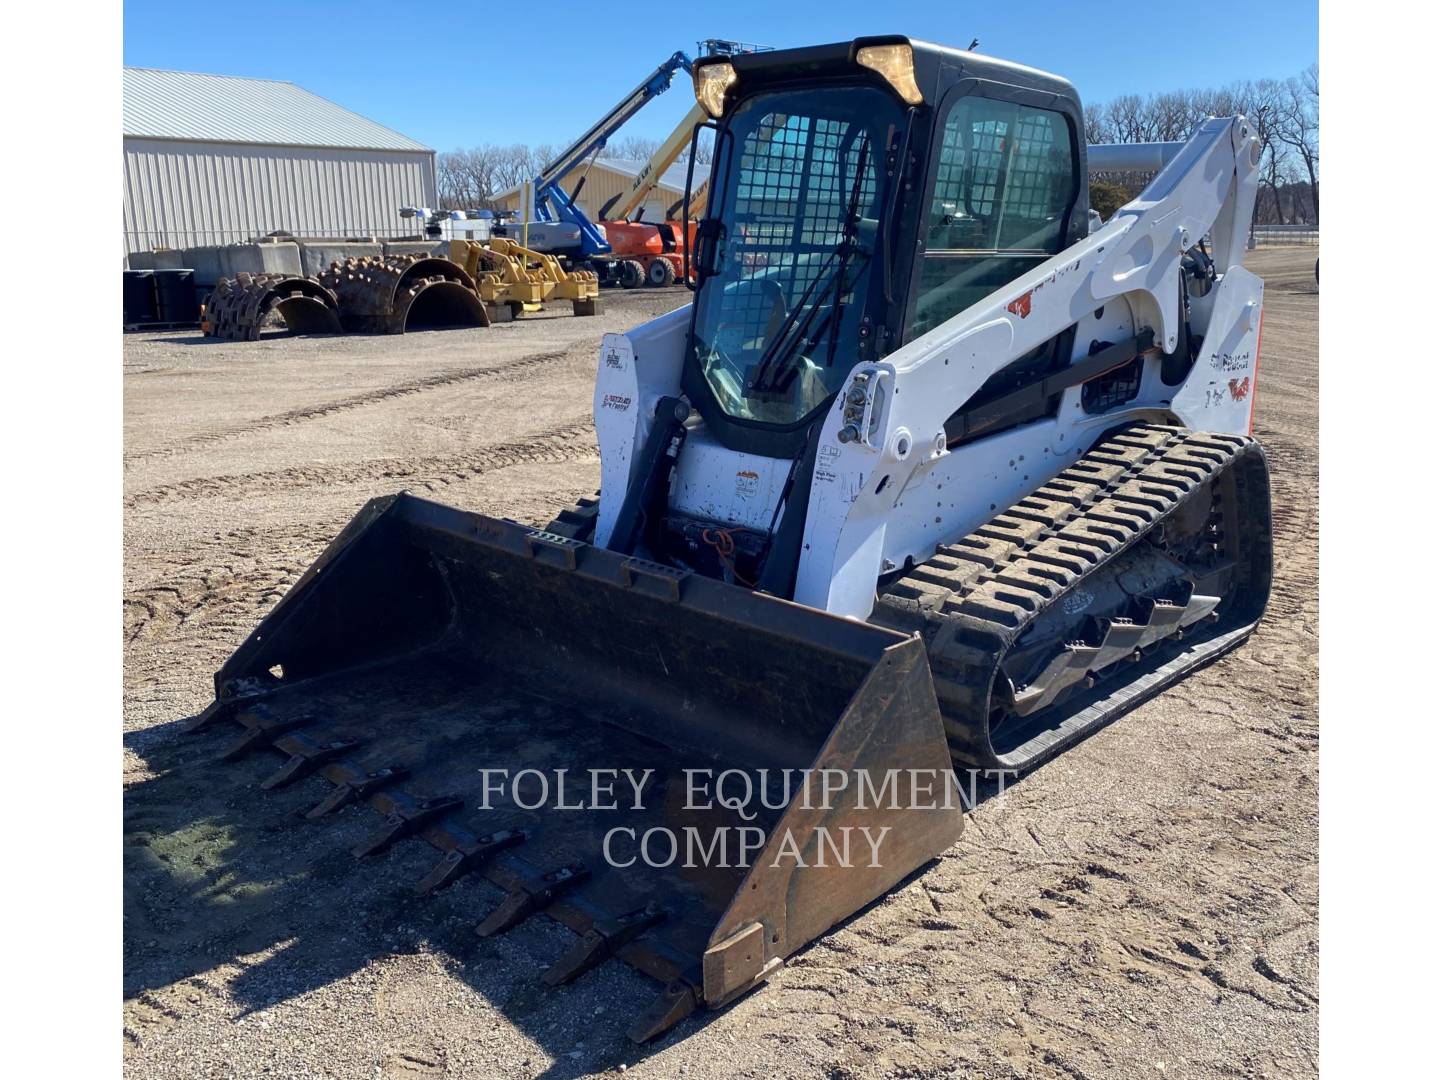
(1146, 905)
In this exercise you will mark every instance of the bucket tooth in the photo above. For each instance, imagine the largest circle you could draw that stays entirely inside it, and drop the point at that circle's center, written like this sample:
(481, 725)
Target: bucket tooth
(353, 790)
(407, 817)
(530, 897)
(306, 755)
(214, 713)
(467, 856)
(678, 1000)
(261, 727)
(600, 943)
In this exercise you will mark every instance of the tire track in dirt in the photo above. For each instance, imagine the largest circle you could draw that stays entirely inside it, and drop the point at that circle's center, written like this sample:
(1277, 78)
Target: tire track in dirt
(231, 599)
(1292, 477)
(570, 442)
(1294, 522)
(523, 366)
(151, 1011)
(226, 582)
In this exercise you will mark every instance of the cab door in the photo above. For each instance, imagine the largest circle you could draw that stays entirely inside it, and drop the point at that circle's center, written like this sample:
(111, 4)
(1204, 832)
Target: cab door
(1003, 192)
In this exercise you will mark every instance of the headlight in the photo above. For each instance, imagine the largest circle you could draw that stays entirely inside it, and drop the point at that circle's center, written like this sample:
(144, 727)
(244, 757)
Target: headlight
(897, 64)
(712, 81)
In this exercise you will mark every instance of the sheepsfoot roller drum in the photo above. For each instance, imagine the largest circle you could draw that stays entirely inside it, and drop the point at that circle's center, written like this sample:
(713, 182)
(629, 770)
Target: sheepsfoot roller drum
(238, 307)
(695, 778)
(1147, 557)
(394, 293)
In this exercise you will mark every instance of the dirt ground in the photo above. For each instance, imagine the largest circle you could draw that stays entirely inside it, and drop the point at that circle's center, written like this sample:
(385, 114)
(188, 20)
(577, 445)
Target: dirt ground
(1145, 905)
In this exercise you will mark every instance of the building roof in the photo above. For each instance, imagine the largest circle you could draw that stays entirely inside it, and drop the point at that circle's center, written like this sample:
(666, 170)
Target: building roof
(672, 180)
(225, 108)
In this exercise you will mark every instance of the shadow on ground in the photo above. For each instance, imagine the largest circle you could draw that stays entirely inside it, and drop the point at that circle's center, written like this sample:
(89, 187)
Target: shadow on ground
(219, 873)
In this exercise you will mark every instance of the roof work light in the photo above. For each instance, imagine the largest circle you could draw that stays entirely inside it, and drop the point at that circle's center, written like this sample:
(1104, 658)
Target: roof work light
(712, 82)
(897, 64)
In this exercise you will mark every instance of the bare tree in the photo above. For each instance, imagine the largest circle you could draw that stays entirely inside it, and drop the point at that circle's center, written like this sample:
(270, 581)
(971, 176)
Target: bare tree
(1171, 115)
(1298, 126)
(1286, 116)
(1286, 119)
(643, 148)
(1097, 124)
(1129, 120)
(704, 148)
(631, 148)
(462, 179)
(1262, 105)
(477, 177)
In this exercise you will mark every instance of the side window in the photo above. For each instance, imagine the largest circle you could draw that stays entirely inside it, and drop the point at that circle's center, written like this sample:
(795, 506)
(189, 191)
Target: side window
(1004, 183)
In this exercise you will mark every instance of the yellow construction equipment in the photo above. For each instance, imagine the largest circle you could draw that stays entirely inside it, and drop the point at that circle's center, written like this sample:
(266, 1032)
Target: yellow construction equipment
(513, 280)
(649, 177)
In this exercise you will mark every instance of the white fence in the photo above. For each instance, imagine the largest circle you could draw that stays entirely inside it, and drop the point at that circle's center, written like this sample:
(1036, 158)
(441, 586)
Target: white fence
(1272, 235)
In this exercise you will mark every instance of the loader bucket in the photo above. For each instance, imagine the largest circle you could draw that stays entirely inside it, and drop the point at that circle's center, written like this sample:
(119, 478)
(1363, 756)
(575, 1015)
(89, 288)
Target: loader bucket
(453, 671)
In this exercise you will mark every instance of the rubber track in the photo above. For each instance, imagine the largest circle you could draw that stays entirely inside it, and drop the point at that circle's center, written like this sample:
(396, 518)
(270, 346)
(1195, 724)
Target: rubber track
(578, 522)
(975, 598)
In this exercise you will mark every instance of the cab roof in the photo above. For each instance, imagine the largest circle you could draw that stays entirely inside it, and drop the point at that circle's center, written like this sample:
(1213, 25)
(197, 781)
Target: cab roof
(937, 67)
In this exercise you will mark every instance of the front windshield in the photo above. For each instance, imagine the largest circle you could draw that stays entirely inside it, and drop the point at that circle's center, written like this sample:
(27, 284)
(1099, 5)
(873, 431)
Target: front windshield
(801, 185)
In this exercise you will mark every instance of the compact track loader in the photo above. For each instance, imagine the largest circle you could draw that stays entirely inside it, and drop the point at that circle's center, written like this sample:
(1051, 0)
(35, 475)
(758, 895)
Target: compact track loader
(936, 473)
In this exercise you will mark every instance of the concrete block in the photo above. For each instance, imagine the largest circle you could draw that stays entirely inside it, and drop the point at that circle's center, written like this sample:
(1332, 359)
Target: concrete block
(316, 256)
(261, 259)
(417, 247)
(205, 261)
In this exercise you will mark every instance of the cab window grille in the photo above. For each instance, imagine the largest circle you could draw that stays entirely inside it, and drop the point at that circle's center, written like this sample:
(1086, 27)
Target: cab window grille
(795, 181)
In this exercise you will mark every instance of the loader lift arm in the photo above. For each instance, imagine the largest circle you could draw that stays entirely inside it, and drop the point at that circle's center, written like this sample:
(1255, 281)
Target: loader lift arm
(1207, 187)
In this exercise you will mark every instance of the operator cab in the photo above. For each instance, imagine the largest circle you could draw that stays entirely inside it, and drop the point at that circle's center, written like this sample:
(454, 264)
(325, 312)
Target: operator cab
(825, 159)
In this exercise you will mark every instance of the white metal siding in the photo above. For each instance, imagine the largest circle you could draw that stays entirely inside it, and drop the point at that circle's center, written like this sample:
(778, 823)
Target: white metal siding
(186, 194)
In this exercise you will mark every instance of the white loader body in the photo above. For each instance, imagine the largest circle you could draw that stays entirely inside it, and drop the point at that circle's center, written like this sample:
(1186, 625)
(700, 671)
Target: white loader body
(888, 491)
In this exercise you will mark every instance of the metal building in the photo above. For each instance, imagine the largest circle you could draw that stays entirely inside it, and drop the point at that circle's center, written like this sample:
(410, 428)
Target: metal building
(608, 177)
(213, 159)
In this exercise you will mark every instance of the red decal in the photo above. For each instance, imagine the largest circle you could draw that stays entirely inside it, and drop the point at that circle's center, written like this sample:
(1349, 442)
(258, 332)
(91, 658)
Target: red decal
(1259, 337)
(1240, 388)
(1021, 306)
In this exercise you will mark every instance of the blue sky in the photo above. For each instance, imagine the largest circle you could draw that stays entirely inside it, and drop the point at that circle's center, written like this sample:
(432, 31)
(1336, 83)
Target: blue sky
(459, 74)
